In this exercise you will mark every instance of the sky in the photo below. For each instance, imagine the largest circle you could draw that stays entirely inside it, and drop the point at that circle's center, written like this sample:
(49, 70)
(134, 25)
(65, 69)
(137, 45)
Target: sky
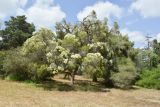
(137, 18)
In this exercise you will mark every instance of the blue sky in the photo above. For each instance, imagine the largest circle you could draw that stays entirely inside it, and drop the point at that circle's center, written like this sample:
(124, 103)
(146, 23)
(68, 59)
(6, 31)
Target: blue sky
(137, 18)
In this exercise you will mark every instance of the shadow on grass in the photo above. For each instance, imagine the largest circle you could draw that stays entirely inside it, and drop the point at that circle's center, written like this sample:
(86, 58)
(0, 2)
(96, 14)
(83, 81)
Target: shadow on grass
(78, 86)
(1, 77)
(55, 85)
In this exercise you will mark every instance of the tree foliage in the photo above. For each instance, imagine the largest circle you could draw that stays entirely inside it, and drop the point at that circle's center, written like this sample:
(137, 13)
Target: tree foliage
(17, 31)
(126, 75)
(94, 65)
(39, 45)
(89, 47)
(98, 48)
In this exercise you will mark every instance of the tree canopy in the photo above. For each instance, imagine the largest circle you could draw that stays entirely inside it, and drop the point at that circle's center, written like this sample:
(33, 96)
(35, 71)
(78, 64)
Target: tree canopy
(17, 31)
(87, 48)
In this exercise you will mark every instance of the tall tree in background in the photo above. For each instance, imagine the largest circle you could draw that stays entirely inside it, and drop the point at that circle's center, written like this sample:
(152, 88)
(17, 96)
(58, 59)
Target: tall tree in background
(149, 56)
(156, 47)
(17, 31)
(63, 28)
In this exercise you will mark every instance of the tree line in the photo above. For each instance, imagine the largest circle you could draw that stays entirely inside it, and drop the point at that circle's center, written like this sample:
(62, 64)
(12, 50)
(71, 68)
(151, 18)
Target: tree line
(87, 48)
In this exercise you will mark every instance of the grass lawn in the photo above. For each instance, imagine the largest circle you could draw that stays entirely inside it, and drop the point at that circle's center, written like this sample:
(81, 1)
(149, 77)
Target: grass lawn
(60, 94)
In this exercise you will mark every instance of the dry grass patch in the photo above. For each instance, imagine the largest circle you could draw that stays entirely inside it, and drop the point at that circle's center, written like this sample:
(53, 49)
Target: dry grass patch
(14, 94)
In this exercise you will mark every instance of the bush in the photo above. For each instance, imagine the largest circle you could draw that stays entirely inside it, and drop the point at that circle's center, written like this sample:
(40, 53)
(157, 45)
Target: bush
(39, 72)
(16, 66)
(150, 79)
(21, 68)
(123, 79)
(126, 76)
(43, 73)
(2, 57)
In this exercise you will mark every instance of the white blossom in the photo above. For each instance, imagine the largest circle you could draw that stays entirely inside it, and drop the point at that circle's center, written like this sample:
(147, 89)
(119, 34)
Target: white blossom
(76, 56)
(60, 68)
(49, 54)
(65, 61)
(111, 61)
(59, 48)
(52, 65)
(91, 45)
(95, 55)
(55, 71)
(69, 36)
(64, 53)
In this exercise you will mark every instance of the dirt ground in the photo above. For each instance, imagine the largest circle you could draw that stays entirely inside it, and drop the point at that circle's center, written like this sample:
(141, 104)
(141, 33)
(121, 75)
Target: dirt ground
(14, 94)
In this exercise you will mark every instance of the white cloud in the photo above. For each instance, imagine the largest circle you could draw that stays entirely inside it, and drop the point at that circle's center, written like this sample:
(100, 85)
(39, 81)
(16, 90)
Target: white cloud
(135, 36)
(157, 37)
(103, 9)
(147, 8)
(44, 13)
(10, 7)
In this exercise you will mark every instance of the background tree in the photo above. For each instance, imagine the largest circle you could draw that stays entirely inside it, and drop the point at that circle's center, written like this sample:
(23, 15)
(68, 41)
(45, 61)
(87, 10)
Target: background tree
(17, 31)
(148, 58)
(63, 28)
(156, 48)
(115, 29)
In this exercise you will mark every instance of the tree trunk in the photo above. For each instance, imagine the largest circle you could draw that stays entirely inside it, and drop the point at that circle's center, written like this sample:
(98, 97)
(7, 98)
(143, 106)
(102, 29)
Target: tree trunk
(107, 80)
(72, 78)
(94, 78)
(66, 76)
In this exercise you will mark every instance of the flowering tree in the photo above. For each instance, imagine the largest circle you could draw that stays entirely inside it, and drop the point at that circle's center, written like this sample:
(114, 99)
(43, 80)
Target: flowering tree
(39, 45)
(94, 65)
(35, 49)
(64, 57)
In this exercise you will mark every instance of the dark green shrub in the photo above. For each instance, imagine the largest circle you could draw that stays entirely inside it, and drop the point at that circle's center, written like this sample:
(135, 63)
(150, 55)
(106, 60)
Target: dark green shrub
(21, 68)
(16, 66)
(123, 79)
(2, 57)
(150, 78)
(126, 75)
